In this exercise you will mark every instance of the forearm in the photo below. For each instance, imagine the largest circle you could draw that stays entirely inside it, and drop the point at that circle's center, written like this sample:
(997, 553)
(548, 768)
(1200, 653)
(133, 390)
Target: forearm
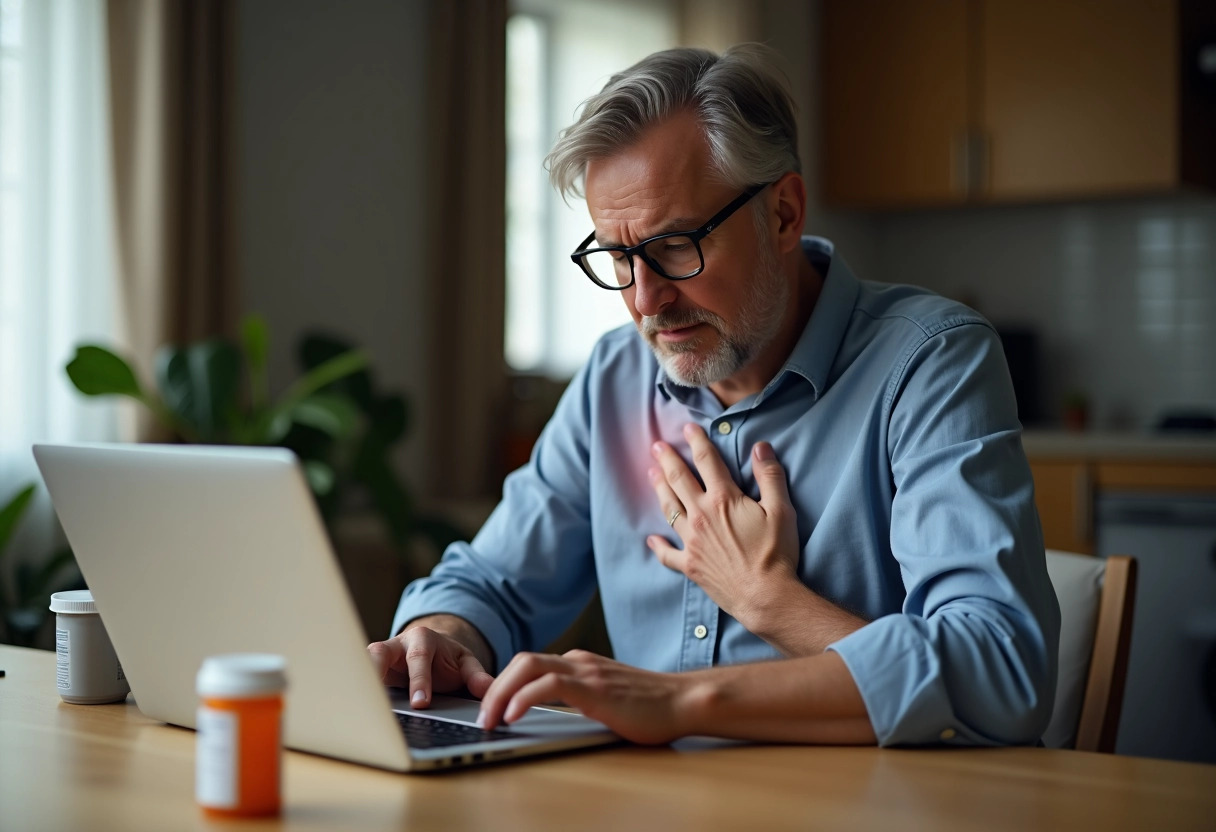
(797, 621)
(460, 630)
(806, 700)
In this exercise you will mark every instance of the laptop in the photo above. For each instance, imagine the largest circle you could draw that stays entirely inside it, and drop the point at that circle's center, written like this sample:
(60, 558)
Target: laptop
(194, 551)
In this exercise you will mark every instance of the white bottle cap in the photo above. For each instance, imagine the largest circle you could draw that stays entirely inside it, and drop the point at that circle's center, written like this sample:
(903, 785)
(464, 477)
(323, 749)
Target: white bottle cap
(242, 675)
(79, 601)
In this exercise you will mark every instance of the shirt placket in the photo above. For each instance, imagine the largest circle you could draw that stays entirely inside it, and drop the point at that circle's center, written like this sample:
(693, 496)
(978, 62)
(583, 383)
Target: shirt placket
(702, 617)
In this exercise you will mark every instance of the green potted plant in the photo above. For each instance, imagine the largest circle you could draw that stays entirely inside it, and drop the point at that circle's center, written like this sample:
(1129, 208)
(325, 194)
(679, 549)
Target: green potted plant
(336, 420)
(24, 601)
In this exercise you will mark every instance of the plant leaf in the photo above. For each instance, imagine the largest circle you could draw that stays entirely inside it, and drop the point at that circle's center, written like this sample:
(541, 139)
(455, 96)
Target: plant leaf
(332, 370)
(317, 348)
(256, 339)
(276, 430)
(329, 372)
(10, 515)
(332, 414)
(199, 384)
(96, 371)
(320, 476)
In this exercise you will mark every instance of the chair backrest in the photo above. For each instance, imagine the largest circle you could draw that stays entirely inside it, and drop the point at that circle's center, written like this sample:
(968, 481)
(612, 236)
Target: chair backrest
(1096, 599)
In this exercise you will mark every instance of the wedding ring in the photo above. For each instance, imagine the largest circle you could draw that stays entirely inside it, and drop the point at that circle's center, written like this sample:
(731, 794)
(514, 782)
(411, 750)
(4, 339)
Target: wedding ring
(671, 521)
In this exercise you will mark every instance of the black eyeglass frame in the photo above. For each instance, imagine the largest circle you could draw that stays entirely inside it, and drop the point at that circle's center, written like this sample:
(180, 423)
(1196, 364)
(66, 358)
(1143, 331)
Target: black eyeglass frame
(696, 235)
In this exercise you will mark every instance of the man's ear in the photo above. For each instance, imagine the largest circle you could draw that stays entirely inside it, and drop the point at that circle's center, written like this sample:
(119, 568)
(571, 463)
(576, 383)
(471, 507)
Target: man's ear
(789, 205)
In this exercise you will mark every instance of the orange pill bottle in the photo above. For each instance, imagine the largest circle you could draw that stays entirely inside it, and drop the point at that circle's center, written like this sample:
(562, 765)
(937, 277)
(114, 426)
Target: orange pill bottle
(238, 764)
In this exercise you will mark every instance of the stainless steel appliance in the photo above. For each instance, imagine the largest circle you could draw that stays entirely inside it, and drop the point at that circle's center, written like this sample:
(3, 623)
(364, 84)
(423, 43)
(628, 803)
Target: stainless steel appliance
(1169, 709)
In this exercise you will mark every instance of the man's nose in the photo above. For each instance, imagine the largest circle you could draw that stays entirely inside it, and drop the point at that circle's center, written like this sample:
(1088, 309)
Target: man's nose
(652, 291)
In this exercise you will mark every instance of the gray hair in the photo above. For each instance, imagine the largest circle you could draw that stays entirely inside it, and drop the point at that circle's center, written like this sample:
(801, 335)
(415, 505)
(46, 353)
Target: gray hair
(741, 99)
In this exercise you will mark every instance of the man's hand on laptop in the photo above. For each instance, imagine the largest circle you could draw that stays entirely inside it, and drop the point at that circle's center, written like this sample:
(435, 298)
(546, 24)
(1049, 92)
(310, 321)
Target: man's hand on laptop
(440, 653)
(639, 705)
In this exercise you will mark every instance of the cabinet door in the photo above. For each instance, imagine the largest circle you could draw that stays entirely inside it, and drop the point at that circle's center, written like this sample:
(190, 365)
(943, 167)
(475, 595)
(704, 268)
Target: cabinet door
(894, 101)
(1079, 97)
(1063, 493)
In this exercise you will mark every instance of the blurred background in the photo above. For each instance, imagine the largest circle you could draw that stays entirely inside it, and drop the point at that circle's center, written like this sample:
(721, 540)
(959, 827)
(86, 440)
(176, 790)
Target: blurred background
(370, 170)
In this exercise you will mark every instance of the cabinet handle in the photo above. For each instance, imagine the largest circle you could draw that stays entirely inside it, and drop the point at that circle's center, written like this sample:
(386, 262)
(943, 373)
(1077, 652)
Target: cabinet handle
(1083, 496)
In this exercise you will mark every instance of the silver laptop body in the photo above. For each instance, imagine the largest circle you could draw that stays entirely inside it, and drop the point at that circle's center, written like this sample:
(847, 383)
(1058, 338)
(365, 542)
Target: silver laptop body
(194, 551)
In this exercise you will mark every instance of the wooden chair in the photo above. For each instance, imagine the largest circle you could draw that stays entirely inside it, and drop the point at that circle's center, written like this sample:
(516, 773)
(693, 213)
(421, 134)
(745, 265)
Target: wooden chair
(1096, 600)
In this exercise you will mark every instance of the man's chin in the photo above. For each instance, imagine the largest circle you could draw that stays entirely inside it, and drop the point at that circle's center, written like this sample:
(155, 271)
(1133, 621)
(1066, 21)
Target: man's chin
(688, 369)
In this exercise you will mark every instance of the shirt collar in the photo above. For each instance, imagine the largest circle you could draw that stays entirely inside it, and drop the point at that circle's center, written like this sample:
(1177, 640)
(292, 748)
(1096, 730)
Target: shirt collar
(815, 352)
(816, 349)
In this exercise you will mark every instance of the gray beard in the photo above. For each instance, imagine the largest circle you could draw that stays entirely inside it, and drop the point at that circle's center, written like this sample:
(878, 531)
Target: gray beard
(759, 320)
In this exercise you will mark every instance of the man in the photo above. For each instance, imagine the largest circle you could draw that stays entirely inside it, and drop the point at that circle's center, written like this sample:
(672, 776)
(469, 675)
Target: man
(788, 463)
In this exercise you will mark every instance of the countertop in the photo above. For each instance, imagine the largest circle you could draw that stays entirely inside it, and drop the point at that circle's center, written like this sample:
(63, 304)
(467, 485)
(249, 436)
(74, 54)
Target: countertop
(1120, 445)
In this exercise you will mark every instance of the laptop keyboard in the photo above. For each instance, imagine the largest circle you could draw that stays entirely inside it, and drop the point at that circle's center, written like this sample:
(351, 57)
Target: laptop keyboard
(421, 732)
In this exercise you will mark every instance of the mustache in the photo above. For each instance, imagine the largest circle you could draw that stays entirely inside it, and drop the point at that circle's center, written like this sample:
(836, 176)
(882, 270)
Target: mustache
(653, 325)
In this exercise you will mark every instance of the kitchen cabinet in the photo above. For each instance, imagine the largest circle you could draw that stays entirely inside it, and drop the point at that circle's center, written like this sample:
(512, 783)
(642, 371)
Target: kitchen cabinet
(1064, 496)
(941, 102)
(1073, 471)
(894, 101)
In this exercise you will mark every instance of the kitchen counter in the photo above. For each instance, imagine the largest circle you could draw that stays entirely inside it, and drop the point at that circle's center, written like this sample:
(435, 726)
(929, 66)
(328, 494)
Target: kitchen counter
(1128, 446)
(1072, 470)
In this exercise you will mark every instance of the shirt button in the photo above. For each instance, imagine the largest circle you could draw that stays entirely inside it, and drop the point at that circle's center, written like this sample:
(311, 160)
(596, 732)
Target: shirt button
(700, 631)
(948, 734)
(724, 428)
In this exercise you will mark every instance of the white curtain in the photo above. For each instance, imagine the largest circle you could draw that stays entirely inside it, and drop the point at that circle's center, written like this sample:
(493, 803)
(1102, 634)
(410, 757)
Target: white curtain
(57, 233)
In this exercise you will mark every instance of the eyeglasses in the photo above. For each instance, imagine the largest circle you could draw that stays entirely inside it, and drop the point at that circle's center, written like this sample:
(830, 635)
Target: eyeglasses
(675, 256)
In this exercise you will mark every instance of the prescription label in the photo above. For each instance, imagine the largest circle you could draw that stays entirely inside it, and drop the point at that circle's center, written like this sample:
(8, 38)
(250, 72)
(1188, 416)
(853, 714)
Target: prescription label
(216, 770)
(63, 666)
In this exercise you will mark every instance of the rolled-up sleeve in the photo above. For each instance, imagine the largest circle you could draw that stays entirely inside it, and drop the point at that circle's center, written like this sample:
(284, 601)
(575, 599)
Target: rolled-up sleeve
(971, 658)
(529, 571)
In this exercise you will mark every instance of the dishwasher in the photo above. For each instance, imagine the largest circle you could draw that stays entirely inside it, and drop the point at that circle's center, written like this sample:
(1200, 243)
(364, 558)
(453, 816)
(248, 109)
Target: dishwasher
(1169, 707)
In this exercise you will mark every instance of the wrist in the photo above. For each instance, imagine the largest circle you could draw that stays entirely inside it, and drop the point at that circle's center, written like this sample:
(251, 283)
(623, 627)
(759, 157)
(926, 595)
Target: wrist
(697, 700)
(769, 613)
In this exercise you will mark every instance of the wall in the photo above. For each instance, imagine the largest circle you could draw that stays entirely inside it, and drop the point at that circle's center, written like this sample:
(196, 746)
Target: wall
(1122, 293)
(329, 166)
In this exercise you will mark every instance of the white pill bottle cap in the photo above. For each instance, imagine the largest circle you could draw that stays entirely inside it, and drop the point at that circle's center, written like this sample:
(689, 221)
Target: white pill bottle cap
(242, 675)
(74, 602)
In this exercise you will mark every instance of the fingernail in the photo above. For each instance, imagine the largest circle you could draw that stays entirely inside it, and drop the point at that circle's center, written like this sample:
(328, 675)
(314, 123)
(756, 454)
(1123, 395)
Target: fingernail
(481, 720)
(653, 473)
(689, 428)
(656, 448)
(418, 698)
(764, 451)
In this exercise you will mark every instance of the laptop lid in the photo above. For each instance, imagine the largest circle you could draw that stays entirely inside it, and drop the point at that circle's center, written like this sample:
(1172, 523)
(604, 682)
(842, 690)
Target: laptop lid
(194, 551)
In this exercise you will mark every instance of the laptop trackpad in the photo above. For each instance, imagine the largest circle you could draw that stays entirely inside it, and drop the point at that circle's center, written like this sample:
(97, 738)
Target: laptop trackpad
(540, 722)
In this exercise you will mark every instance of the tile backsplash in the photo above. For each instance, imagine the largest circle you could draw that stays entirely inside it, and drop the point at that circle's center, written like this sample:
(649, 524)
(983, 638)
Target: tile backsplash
(1122, 294)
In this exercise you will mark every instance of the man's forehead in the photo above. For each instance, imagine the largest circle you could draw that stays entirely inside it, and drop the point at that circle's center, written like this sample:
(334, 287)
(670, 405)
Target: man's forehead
(642, 213)
(650, 199)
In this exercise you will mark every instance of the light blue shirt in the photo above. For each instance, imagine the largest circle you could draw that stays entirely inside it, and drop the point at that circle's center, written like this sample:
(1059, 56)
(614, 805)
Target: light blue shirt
(895, 421)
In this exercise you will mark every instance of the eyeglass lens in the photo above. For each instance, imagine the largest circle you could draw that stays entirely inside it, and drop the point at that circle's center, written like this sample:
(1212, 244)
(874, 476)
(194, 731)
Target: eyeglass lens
(676, 257)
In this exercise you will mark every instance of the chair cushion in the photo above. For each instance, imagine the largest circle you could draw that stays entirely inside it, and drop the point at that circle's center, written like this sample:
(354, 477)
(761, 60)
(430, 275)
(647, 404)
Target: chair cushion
(1077, 580)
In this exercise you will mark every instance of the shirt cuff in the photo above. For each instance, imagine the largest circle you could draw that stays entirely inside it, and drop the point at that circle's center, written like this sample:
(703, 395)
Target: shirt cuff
(900, 679)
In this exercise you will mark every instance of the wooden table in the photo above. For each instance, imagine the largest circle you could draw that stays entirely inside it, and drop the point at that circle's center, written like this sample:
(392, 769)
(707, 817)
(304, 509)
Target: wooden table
(109, 767)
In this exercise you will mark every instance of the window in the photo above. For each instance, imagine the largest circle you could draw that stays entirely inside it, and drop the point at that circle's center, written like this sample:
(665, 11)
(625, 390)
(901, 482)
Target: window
(57, 279)
(560, 52)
